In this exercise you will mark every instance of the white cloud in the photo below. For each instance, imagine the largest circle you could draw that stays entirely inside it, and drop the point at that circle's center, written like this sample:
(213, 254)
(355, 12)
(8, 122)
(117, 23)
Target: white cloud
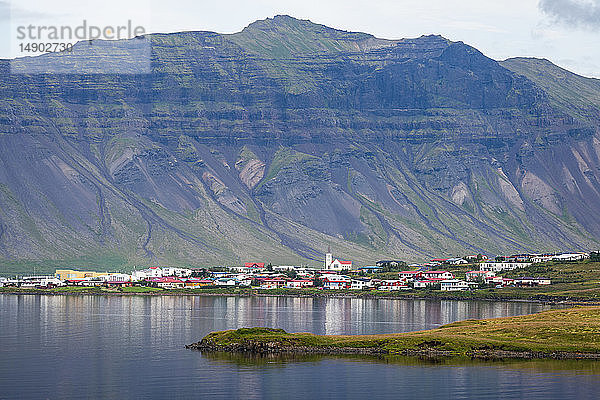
(574, 13)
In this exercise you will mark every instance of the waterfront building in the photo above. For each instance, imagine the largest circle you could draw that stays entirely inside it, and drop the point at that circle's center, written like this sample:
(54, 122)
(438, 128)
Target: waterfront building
(67, 274)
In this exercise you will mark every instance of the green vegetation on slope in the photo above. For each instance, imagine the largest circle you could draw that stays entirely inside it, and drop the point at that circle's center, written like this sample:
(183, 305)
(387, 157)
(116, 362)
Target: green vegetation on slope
(571, 92)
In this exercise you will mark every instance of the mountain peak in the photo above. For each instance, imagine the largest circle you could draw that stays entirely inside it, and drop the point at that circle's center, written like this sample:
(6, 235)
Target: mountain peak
(283, 36)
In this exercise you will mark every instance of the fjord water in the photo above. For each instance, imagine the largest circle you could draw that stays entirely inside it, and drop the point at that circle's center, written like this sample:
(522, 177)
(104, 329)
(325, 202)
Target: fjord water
(71, 347)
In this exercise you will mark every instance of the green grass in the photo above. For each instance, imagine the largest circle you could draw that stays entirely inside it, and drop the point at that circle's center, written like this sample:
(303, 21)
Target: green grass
(574, 330)
(283, 157)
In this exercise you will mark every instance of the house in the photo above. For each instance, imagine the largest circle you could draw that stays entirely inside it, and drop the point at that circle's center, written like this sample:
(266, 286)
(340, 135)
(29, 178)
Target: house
(251, 265)
(197, 282)
(361, 284)
(225, 281)
(389, 263)
(286, 268)
(540, 258)
(336, 282)
(299, 283)
(176, 272)
(423, 284)
(118, 284)
(87, 282)
(245, 281)
(571, 257)
(528, 281)
(475, 257)
(456, 261)
(272, 283)
(452, 285)
(116, 277)
(502, 266)
(520, 258)
(41, 282)
(437, 275)
(410, 275)
(66, 274)
(167, 283)
(479, 276)
(389, 285)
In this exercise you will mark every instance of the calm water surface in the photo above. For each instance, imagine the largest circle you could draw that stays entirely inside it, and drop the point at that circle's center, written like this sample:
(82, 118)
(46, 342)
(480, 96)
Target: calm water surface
(72, 347)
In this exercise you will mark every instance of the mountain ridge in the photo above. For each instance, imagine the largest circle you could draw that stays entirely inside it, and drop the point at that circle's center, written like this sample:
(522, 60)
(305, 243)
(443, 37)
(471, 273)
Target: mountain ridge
(248, 147)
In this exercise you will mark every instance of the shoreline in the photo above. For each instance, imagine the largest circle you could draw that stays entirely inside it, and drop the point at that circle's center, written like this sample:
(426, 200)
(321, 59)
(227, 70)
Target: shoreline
(555, 334)
(540, 299)
(430, 353)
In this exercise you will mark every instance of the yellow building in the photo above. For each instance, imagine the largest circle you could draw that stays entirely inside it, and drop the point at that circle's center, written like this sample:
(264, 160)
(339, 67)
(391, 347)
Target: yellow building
(65, 274)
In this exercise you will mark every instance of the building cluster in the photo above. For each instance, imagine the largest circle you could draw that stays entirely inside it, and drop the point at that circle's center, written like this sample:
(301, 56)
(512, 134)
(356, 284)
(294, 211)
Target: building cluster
(336, 274)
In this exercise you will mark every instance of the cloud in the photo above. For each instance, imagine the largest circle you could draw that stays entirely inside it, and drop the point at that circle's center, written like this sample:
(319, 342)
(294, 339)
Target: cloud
(573, 13)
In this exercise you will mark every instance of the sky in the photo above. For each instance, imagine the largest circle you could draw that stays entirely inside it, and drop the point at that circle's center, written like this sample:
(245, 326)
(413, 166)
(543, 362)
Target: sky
(567, 32)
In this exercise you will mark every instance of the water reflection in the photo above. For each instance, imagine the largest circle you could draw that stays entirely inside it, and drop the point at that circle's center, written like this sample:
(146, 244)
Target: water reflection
(588, 367)
(133, 346)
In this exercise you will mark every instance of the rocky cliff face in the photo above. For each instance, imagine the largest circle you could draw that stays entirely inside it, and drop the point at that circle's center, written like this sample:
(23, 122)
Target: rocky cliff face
(288, 137)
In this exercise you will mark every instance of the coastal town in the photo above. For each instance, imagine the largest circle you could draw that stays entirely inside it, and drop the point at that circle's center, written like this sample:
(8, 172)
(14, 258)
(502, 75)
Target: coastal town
(465, 273)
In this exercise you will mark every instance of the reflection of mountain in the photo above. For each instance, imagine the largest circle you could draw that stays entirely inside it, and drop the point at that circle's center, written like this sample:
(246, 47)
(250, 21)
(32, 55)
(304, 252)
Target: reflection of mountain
(288, 137)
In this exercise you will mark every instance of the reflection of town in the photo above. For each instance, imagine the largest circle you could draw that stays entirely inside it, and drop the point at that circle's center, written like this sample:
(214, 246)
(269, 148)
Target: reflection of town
(474, 272)
(156, 319)
(103, 336)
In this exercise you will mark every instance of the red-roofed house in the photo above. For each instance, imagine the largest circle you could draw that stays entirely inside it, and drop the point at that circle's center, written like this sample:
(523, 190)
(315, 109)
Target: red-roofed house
(255, 265)
(410, 274)
(389, 285)
(166, 283)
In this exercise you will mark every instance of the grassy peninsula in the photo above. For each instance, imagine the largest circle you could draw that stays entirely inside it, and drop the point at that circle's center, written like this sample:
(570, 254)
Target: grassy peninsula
(561, 334)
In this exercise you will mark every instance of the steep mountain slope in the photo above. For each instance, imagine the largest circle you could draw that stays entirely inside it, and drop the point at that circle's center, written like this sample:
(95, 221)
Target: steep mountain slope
(289, 137)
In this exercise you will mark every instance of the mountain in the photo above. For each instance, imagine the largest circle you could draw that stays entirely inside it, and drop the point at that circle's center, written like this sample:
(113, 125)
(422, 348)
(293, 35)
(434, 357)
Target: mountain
(287, 138)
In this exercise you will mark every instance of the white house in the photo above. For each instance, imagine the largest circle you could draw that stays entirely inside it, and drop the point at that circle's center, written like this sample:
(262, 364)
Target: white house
(571, 257)
(527, 281)
(116, 277)
(502, 266)
(178, 272)
(158, 272)
(452, 285)
(228, 281)
(40, 282)
(437, 275)
(336, 282)
(456, 261)
(361, 284)
(299, 283)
